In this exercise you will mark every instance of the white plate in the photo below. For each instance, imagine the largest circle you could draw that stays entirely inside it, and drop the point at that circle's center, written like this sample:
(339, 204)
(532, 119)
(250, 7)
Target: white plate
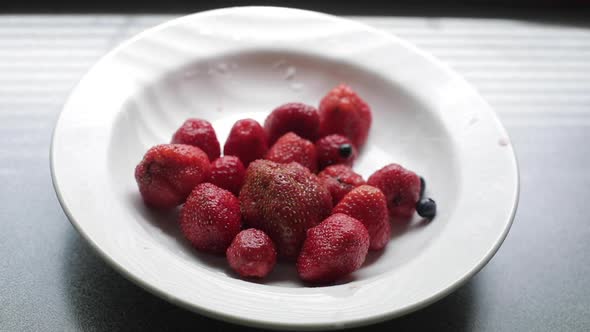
(228, 64)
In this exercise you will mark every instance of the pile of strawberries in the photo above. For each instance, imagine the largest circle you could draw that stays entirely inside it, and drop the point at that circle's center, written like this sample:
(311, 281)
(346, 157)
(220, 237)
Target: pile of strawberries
(263, 199)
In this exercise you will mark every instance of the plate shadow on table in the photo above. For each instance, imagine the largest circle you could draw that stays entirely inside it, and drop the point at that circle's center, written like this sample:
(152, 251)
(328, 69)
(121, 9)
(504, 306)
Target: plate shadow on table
(100, 299)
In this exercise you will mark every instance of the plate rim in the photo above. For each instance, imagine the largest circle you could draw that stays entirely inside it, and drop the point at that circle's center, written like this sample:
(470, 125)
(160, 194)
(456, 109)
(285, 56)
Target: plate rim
(261, 323)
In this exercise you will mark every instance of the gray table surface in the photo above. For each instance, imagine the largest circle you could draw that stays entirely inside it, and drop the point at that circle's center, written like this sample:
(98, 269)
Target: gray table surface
(535, 74)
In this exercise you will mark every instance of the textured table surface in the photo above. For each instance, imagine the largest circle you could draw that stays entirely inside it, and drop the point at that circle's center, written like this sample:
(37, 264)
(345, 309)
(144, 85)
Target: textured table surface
(535, 74)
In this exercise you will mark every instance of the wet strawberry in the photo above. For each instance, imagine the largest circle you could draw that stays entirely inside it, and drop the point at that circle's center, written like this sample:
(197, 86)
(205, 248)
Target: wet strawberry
(339, 180)
(247, 140)
(335, 149)
(367, 205)
(343, 112)
(169, 172)
(228, 172)
(199, 133)
(401, 188)
(283, 200)
(292, 148)
(210, 218)
(333, 249)
(252, 253)
(298, 118)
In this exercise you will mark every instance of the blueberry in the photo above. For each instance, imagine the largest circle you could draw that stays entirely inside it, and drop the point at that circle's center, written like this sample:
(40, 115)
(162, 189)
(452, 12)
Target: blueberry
(426, 208)
(422, 187)
(345, 150)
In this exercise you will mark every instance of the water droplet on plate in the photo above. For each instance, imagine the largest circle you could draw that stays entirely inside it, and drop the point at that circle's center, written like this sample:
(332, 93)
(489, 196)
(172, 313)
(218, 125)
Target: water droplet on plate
(279, 64)
(290, 73)
(295, 86)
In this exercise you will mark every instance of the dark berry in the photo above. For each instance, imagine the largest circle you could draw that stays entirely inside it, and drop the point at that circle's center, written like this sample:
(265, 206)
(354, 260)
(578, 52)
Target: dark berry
(426, 208)
(345, 150)
(422, 187)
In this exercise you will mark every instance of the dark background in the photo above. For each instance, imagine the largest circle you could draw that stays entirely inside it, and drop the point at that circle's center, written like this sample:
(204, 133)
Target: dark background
(468, 8)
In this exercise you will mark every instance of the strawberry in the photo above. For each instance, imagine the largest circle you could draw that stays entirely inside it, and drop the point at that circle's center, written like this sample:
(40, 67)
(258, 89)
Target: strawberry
(367, 205)
(168, 172)
(199, 133)
(335, 149)
(210, 218)
(339, 180)
(299, 118)
(252, 253)
(283, 200)
(291, 147)
(247, 141)
(343, 112)
(228, 172)
(401, 188)
(333, 249)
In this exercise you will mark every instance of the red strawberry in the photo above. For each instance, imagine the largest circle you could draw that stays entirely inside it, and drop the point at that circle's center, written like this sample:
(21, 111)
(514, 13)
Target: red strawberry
(343, 112)
(228, 172)
(291, 147)
(169, 172)
(333, 249)
(283, 200)
(340, 179)
(252, 253)
(210, 218)
(401, 188)
(367, 205)
(299, 118)
(335, 149)
(247, 140)
(199, 133)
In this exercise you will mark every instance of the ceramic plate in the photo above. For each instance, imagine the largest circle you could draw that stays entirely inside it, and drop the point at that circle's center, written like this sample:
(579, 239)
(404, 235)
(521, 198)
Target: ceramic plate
(228, 64)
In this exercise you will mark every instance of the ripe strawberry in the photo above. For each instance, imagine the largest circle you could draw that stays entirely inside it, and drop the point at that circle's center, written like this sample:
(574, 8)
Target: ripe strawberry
(228, 172)
(283, 200)
(199, 133)
(247, 141)
(252, 253)
(210, 218)
(367, 204)
(343, 112)
(340, 179)
(291, 147)
(335, 149)
(298, 118)
(169, 172)
(333, 249)
(401, 188)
